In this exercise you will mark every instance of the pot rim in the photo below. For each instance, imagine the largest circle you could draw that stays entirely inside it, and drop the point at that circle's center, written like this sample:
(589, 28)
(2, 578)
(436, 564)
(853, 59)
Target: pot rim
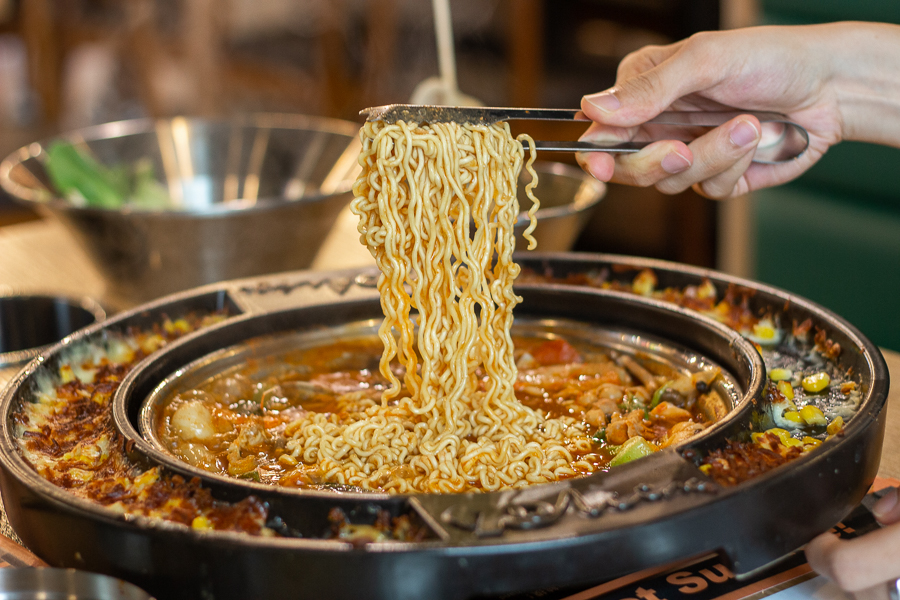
(751, 391)
(870, 411)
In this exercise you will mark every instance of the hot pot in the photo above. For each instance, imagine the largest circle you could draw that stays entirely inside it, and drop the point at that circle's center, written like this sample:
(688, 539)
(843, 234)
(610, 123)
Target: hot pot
(658, 509)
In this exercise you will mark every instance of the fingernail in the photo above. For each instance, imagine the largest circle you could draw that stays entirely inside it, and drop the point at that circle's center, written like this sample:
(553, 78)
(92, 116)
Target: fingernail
(674, 163)
(605, 101)
(886, 504)
(743, 133)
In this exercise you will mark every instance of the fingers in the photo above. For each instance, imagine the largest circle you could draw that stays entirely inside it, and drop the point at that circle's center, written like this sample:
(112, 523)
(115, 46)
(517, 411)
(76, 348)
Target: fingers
(878, 592)
(887, 509)
(721, 157)
(654, 163)
(644, 59)
(860, 563)
(597, 164)
(635, 100)
(601, 165)
(648, 82)
(714, 164)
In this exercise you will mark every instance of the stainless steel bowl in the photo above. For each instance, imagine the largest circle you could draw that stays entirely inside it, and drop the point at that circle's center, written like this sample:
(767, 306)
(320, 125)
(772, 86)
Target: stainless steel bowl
(254, 195)
(568, 197)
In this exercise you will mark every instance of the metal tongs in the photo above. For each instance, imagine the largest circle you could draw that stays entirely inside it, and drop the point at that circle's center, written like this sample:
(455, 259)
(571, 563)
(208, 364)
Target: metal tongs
(781, 139)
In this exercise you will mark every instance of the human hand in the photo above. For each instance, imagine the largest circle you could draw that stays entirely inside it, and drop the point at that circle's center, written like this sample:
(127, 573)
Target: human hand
(804, 72)
(864, 565)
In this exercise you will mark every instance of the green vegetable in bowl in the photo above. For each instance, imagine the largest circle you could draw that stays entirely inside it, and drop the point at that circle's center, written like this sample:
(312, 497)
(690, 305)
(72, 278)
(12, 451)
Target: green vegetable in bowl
(83, 180)
(635, 448)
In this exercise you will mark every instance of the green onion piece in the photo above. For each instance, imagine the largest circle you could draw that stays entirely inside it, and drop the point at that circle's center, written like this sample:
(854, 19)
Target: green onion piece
(148, 193)
(635, 448)
(657, 395)
(74, 172)
(251, 475)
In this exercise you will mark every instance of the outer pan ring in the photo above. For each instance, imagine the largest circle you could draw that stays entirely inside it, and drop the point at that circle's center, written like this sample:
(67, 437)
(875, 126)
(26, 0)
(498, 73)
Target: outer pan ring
(173, 562)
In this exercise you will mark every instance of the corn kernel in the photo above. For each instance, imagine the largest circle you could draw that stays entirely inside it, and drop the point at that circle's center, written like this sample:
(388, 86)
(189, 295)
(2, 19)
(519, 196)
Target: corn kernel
(811, 442)
(706, 469)
(706, 290)
(791, 442)
(644, 283)
(792, 416)
(835, 426)
(786, 389)
(816, 382)
(201, 522)
(813, 415)
(764, 331)
(780, 374)
(66, 374)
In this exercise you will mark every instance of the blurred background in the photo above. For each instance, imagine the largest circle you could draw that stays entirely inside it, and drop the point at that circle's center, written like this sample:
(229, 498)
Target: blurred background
(833, 236)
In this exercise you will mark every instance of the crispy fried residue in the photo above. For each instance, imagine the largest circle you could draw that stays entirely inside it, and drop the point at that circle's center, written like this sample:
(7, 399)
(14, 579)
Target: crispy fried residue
(732, 309)
(740, 461)
(66, 433)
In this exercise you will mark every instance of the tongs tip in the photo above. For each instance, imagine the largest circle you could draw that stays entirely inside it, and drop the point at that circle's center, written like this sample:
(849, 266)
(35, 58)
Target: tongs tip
(375, 113)
(428, 113)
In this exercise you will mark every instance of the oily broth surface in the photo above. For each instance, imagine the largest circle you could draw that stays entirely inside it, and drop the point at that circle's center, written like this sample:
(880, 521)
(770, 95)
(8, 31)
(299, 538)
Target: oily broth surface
(238, 423)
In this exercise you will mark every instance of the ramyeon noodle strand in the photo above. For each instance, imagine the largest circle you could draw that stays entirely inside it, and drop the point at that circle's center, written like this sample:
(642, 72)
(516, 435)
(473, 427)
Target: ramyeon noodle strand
(422, 193)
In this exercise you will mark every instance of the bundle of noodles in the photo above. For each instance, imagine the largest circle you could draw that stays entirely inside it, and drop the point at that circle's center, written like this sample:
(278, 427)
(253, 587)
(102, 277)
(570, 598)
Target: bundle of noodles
(437, 206)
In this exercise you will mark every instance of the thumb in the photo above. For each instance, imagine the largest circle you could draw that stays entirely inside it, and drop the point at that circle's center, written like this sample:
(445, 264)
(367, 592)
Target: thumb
(887, 509)
(637, 99)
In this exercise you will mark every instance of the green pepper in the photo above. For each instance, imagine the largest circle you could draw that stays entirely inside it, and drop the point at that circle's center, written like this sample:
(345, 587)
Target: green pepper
(600, 436)
(635, 448)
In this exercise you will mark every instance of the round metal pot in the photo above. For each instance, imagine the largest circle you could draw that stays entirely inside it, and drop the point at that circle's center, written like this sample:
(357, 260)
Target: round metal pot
(654, 510)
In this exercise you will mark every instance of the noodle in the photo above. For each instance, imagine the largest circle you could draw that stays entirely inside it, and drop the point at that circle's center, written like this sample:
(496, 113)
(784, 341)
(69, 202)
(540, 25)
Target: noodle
(437, 206)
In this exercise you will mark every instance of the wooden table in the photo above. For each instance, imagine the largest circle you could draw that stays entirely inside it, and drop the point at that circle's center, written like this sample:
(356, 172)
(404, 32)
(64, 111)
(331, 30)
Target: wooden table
(40, 256)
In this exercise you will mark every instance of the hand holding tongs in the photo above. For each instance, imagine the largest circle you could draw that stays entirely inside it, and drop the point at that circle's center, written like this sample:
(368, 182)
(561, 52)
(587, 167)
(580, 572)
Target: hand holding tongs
(781, 140)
